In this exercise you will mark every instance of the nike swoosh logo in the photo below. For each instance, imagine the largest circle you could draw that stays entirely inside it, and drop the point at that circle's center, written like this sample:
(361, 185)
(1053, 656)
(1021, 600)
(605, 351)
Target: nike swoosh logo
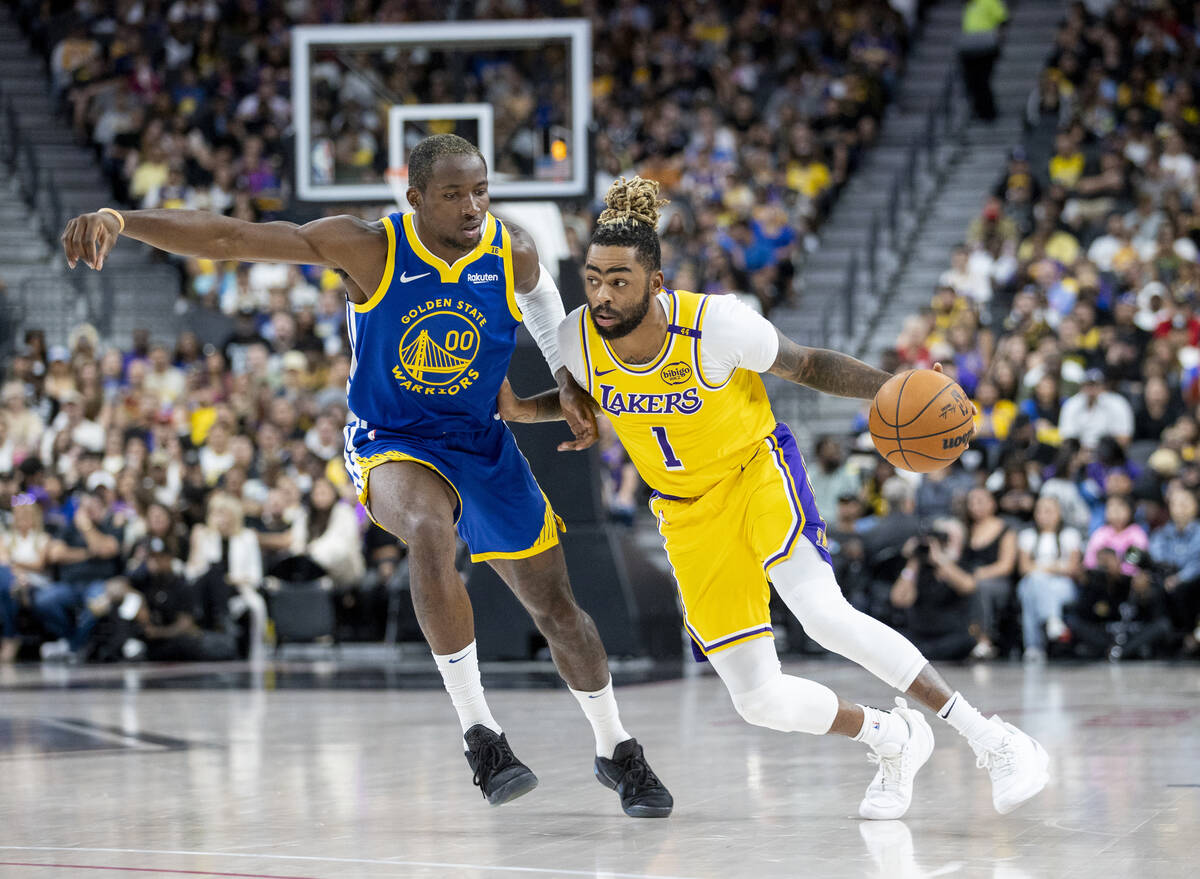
(464, 656)
(404, 278)
(596, 696)
(605, 372)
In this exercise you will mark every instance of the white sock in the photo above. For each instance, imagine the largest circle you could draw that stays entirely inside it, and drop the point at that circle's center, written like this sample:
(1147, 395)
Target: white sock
(971, 725)
(881, 728)
(460, 674)
(600, 708)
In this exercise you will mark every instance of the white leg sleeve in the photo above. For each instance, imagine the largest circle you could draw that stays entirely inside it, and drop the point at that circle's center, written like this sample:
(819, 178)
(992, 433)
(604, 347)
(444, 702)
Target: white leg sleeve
(807, 586)
(764, 696)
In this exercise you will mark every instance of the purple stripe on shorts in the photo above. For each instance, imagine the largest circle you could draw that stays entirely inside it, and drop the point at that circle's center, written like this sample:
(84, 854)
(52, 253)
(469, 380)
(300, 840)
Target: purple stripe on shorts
(785, 451)
(698, 652)
(759, 631)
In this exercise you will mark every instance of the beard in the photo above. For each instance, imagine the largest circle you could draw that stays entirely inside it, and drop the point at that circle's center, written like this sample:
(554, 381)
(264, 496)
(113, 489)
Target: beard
(627, 322)
(460, 243)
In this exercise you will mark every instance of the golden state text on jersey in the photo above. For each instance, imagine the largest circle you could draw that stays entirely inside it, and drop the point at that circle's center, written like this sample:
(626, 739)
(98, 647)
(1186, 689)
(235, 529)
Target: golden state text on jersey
(432, 344)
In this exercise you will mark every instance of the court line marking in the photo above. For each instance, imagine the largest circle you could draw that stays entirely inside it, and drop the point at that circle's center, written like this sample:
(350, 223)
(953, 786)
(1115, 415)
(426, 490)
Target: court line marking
(608, 874)
(151, 870)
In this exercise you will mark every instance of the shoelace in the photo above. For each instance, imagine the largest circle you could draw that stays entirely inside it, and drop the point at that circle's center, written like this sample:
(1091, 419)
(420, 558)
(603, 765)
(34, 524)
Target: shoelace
(891, 767)
(490, 757)
(638, 774)
(999, 763)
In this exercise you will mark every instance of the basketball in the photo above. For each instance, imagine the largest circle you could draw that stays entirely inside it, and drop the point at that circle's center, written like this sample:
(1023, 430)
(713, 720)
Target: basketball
(921, 420)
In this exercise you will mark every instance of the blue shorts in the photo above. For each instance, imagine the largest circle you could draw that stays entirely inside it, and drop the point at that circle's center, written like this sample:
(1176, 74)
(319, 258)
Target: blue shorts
(501, 512)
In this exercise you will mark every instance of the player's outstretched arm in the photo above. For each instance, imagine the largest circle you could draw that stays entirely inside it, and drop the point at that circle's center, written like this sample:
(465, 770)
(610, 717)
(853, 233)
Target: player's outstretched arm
(830, 372)
(341, 242)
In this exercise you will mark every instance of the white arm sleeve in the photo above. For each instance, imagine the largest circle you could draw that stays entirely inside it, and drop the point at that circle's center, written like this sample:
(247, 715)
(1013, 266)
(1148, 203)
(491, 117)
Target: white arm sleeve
(543, 311)
(569, 347)
(735, 336)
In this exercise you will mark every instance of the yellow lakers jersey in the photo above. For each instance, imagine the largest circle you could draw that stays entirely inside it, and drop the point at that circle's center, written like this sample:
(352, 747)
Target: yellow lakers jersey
(683, 434)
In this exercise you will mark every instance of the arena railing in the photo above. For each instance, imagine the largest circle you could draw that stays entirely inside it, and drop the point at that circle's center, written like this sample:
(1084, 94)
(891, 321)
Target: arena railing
(53, 220)
(866, 292)
(36, 186)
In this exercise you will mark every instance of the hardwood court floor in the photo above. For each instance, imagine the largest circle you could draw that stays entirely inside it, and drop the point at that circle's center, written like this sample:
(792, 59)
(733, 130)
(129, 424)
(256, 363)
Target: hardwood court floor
(216, 772)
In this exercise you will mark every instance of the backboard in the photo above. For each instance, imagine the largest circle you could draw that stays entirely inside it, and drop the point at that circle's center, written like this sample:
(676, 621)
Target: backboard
(363, 95)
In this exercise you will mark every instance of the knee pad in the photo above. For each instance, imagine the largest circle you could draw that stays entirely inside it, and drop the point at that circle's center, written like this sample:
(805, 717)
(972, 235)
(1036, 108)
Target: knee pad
(789, 704)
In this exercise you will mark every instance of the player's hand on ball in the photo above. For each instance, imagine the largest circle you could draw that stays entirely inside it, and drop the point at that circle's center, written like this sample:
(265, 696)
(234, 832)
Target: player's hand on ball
(937, 367)
(89, 237)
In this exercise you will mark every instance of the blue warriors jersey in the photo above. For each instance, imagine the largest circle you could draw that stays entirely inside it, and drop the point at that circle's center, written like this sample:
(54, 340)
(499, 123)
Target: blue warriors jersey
(431, 349)
(431, 346)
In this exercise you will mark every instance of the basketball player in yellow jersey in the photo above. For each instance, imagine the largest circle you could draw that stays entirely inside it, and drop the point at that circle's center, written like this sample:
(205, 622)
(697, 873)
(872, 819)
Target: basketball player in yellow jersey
(677, 374)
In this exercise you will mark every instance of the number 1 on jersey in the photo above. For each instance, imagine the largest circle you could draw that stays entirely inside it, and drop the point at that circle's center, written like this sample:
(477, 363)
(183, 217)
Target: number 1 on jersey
(669, 459)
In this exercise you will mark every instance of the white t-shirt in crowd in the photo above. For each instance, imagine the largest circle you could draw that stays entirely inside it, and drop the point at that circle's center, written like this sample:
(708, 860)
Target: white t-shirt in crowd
(1047, 548)
(1110, 415)
(735, 337)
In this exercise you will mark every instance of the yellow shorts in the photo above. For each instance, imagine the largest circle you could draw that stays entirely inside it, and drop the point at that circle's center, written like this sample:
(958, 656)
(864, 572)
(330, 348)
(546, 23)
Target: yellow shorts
(723, 544)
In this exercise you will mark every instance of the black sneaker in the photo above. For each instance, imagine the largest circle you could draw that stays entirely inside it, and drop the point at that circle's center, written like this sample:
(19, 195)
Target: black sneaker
(642, 794)
(500, 775)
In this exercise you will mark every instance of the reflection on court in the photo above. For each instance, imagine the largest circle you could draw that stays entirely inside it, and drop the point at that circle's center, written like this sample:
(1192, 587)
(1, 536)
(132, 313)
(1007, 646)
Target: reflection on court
(105, 773)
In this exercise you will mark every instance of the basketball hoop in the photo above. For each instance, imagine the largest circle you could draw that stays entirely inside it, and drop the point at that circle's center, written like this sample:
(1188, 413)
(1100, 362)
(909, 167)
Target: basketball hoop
(397, 179)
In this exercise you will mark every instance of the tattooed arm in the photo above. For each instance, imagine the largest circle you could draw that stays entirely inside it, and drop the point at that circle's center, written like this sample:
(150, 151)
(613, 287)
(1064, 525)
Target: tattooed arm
(827, 371)
(546, 406)
(528, 410)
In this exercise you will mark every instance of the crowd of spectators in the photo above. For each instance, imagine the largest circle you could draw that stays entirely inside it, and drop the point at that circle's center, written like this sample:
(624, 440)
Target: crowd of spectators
(198, 475)
(752, 114)
(153, 501)
(1071, 315)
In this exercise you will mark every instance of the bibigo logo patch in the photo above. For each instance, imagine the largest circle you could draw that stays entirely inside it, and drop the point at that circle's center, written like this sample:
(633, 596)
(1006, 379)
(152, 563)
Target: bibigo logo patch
(675, 373)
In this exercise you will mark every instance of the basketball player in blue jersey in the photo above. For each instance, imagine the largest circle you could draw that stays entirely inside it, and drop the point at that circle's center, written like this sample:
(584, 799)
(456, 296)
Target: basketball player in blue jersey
(435, 297)
(677, 375)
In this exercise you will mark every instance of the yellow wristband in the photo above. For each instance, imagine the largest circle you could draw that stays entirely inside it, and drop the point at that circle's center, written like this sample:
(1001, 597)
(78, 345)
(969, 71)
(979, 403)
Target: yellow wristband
(116, 214)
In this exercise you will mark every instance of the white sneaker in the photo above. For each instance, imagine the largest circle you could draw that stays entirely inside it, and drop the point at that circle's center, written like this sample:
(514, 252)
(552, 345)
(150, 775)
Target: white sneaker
(983, 651)
(1034, 655)
(55, 651)
(890, 792)
(1019, 767)
(1055, 628)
